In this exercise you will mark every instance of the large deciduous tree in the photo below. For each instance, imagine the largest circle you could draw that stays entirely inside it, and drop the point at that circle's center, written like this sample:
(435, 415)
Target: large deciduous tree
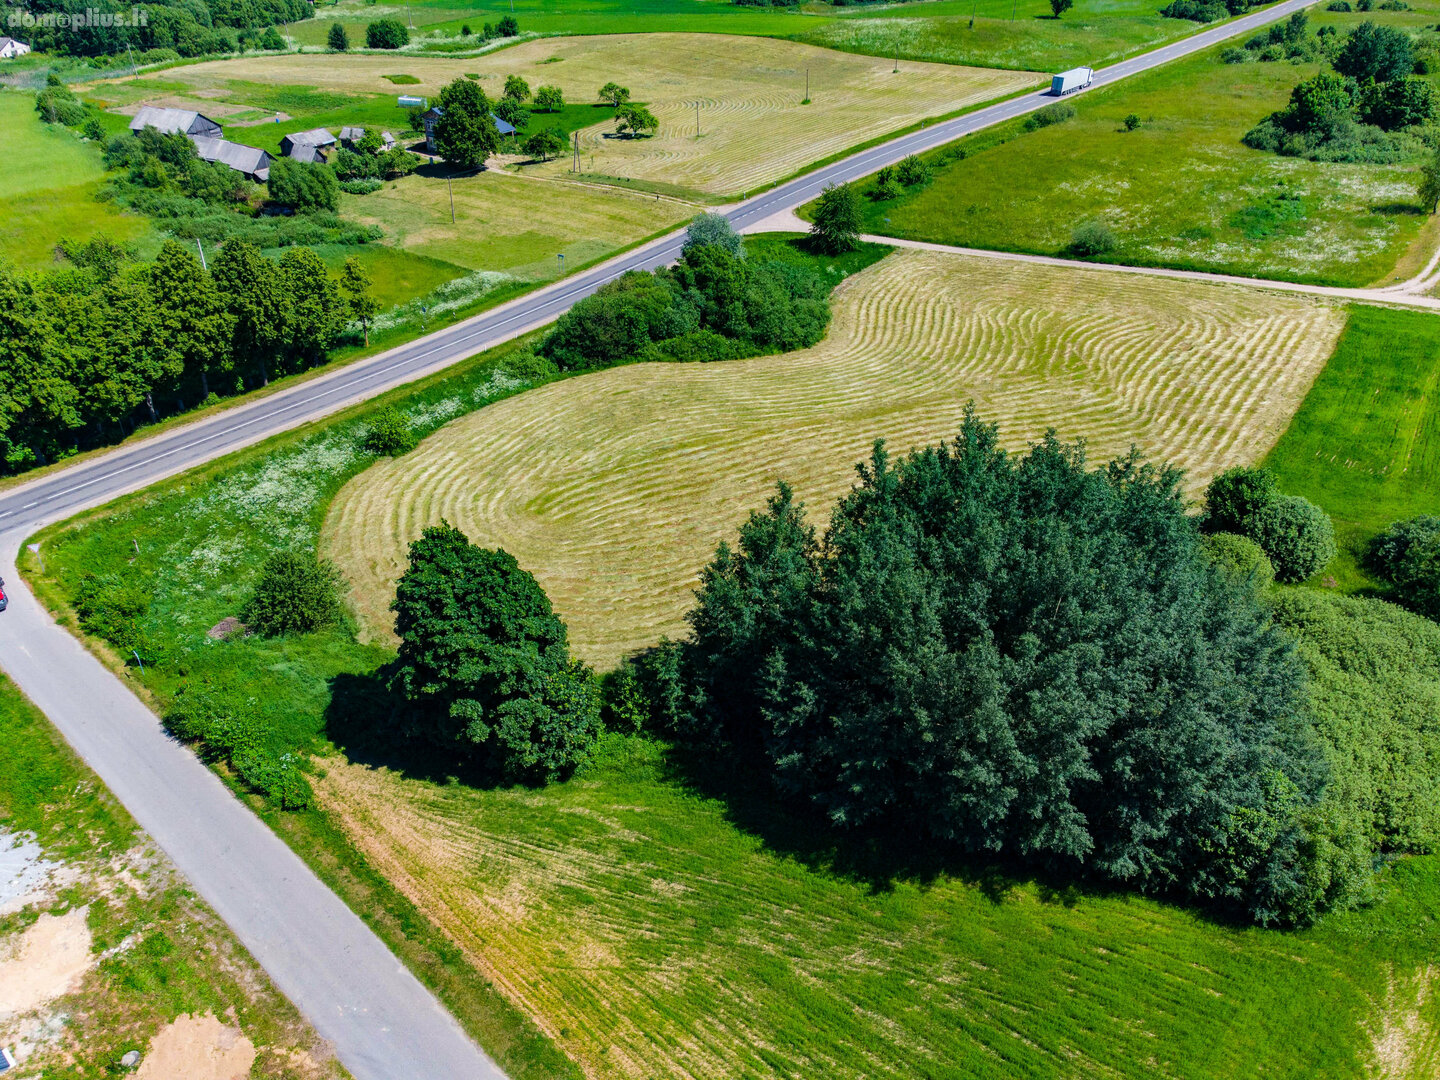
(485, 663)
(465, 134)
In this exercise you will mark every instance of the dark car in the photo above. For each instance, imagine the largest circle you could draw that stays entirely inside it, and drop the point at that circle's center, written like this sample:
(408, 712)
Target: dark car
(4, 600)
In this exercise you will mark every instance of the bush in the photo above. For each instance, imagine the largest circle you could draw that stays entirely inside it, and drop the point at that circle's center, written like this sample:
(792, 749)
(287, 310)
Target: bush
(1407, 557)
(507, 27)
(363, 186)
(1202, 11)
(1296, 534)
(386, 34)
(1236, 494)
(1377, 53)
(1132, 121)
(338, 39)
(836, 227)
(1241, 558)
(1056, 113)
(1092, 238)
(713, 229)
(111, 608)
(303, 186)
(296, 594)
(389, 433)
(1338, 5)
(886, 186)
(1234, 55)
(485, 662)
(276, 775)
(912, 170)
(1017, 655)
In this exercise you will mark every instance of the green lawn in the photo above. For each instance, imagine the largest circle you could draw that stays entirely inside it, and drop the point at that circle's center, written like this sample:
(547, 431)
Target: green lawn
(1365, 445)
(48, 187)
(1182, 190)
(1018, 34)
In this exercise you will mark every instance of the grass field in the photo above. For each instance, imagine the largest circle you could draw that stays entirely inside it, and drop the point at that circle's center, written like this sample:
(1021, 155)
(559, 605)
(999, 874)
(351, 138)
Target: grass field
(1019, 34)
(48, 184)
(140, 948)
(749, 91)
(1365, 445)
(1182, 190)
(614, 489)
(511, 225)
(657, 932)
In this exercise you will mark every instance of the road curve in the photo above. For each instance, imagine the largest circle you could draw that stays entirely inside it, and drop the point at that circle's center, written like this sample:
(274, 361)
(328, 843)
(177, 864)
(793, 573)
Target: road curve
(381, 1021)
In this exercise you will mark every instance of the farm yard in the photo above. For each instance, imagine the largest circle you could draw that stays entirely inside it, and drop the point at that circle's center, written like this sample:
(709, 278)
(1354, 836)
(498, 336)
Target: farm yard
(754, 129)
(614, 489)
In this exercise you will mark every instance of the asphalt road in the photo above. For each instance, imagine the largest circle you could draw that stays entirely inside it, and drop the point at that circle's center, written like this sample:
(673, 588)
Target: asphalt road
(382, 1022)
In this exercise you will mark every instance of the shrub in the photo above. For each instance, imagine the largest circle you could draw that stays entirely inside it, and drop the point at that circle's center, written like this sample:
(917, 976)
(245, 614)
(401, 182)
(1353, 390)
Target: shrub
(1233, 496)
(886, 186)
(1234, 55)
(1338, 5)
(296, 594)
(271, 40)
(1202, 11)
(507, 27)
(362, 186)
(713, 229)
(276, 775)
(912, 170)
(1132, 121)
(389, 433)
(1015, 654)
(1378, 53)
(1296, 534)
(1407, 557)
(338, 39)
(1056, 113)
(1092, 237)
(304, 186)
(1241, 558)
(111, 608)
(836, 227)
(386, 34)
(485, 662)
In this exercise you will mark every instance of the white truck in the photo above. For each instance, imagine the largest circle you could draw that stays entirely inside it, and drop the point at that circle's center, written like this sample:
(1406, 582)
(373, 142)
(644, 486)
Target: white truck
(1069, 81)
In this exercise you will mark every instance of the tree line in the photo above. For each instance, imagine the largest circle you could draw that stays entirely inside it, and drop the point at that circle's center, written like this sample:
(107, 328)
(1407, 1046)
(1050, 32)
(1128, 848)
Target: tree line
(105, 342)
(188, 28)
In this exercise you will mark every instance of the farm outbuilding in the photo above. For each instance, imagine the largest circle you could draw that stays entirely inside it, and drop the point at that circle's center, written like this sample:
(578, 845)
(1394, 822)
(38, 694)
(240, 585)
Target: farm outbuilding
(175, 121)
(307, 145)
(253, 162)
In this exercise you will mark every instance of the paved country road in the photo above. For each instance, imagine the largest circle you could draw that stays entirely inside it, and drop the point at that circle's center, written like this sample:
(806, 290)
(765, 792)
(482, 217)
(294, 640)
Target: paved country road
(382, 1022)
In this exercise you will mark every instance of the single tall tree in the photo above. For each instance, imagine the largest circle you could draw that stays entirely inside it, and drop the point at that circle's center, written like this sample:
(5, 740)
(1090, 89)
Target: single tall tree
(465, 134)
(339, 40)
(836, 227)
(615, 94)
(355, 284)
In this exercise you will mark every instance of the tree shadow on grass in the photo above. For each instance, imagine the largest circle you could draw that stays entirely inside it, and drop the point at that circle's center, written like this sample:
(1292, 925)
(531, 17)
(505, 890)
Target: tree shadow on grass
(1399, 209)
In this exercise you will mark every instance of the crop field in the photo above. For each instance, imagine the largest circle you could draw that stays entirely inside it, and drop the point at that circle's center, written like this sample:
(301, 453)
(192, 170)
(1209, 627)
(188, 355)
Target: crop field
(511, 225)
(655, 931)
(753, 127)
(1365, 445)
(48, 187)
(1181, 190)
(1019, 34)
(614, 488)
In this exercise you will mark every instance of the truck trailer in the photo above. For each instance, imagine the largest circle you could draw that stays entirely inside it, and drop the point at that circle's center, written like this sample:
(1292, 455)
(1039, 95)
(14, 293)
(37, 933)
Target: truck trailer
(1069, 81)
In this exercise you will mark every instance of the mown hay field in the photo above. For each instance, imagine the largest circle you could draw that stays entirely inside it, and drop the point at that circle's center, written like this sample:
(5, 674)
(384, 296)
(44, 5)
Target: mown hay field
(656, 932)
(615, 488)
(754, 129)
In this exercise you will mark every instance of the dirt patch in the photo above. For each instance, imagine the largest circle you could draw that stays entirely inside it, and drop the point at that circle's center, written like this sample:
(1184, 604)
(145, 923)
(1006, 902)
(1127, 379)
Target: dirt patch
(24, 874)
(229, 626)
(198, 1048)
(1404, 1045)
(46, 961)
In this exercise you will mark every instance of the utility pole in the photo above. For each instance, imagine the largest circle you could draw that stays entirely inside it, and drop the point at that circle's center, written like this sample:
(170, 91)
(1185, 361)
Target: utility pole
(131, 51)
(807, 84)
(410, 18)
(450, 188)
(897, 61)
(201, 248)
(697, 119)
(577, 153)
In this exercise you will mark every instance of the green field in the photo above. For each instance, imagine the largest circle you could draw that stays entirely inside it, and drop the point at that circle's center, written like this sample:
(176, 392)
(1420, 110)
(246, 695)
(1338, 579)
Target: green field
(1181, 191)
(1365, 445)
(1019, 34)
(48, 184)
(156, 951)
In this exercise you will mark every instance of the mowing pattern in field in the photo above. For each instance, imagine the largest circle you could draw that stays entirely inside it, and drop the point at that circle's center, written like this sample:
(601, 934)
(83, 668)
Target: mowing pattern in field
(654, 939)
(754, 129)
(615, 488)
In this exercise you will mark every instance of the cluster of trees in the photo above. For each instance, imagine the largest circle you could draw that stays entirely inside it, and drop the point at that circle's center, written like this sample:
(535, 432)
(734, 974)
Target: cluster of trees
(1295, 534)
(506, 27)
(1016, 655)
(714, 304)
(891, 180)
(1289, 40)
(369, 160)
(386, 34)
(1205, 11)
(1358, 111)
(181, 28)
(105, 341)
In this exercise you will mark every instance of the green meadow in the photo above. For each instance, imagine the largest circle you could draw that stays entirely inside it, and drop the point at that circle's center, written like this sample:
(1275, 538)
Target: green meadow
(1365, 444)
(48, 184)
(1180, 190)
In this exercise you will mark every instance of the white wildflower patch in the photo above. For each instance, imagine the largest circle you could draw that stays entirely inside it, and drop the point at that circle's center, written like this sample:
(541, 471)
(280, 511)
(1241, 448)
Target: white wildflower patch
(499, 382)
(448, 297)
(436, 412)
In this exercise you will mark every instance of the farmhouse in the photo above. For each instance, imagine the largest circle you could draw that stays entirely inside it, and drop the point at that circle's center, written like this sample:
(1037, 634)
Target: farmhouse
(10, 48)
(175, 121)
(431, 115)
(307, 145)
(253, 162)
(349, 136)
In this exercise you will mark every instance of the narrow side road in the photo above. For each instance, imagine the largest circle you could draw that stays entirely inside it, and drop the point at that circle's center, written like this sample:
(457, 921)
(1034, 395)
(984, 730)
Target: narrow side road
(382, 1022)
